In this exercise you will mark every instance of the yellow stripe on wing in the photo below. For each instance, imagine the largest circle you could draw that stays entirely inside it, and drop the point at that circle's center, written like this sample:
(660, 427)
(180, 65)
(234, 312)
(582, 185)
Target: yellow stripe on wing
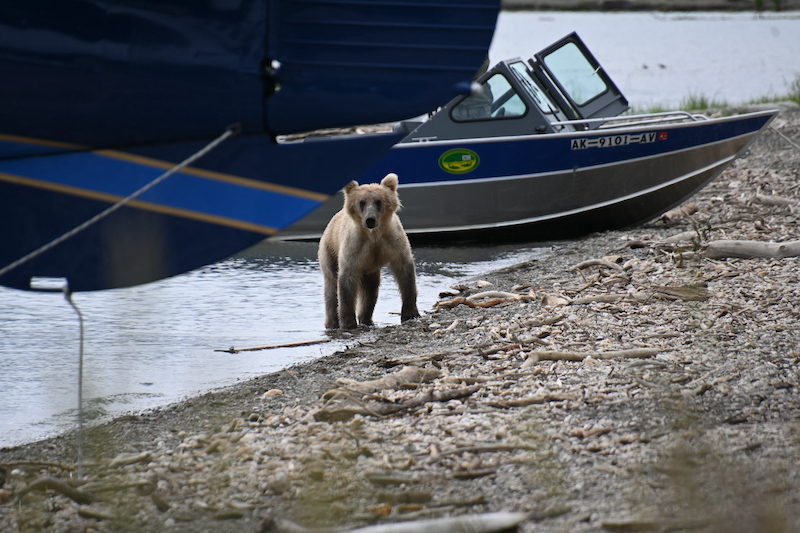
(165, 165)
(218, 176)
(147, 206)
(41, 142)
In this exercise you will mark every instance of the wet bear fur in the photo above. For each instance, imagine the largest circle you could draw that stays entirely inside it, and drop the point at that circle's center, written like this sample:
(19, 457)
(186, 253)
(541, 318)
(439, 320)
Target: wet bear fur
(358, 242)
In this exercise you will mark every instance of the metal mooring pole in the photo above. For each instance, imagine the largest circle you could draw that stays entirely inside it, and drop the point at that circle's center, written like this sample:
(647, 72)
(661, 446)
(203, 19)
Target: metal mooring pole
(68, 296)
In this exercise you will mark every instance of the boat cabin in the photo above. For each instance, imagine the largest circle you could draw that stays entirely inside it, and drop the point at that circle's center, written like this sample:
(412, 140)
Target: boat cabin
(559, 89)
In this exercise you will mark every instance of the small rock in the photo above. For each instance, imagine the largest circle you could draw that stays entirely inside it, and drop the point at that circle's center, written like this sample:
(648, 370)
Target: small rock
(279, 483)
(160, 503)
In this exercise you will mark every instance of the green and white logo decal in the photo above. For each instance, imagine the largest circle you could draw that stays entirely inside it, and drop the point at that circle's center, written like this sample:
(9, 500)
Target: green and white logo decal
(459, 161)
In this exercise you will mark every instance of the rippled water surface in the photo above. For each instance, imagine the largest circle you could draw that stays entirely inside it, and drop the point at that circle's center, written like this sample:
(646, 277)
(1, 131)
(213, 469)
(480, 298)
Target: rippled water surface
(152, 345)
(155, 344)
(662, 58)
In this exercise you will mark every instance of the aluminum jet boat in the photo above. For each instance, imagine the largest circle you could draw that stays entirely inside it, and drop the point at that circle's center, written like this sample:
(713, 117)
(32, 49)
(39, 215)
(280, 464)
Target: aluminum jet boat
(100, 97)
(542, 150)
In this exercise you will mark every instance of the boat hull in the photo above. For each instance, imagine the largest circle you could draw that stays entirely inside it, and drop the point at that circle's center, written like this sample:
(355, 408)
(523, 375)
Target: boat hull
(198, 215)
(536, 188)
(108, 95)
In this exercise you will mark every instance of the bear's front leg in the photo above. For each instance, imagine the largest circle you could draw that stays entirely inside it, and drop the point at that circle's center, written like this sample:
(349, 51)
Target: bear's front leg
(331, 289)
(370, 284)
(406, 276)
(348, 288)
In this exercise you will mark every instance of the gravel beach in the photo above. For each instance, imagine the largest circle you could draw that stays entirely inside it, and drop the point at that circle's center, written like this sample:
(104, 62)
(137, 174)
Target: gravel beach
(633, 380)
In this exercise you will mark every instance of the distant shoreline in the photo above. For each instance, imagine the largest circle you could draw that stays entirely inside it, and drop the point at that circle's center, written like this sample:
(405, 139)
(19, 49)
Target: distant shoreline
(648, 5)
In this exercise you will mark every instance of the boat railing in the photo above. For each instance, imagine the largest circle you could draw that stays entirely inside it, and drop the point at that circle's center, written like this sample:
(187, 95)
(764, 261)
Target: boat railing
(635, 120)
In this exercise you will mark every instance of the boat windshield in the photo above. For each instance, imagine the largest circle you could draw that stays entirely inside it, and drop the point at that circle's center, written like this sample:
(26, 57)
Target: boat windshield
(496, 99)
(539, 96)
(575, 73)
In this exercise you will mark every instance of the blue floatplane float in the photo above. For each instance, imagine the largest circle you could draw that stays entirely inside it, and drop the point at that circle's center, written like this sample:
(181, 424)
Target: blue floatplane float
(100, 97)
(542, 150)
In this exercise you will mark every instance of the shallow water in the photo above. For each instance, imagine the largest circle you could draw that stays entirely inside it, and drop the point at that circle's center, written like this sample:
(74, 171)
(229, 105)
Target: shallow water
(152, 345)
(155, 344)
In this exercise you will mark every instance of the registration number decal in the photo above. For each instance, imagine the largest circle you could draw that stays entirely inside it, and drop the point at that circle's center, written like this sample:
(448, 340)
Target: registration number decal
(617, 140)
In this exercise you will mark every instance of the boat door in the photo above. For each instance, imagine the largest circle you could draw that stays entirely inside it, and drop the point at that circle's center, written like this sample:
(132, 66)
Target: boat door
(577, 81)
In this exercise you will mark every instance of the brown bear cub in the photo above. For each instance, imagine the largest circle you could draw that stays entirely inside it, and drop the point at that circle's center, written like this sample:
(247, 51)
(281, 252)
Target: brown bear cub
(361, 239)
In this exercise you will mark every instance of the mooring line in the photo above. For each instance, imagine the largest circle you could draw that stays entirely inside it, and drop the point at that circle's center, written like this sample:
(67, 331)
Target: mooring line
(180, 166)
(233, 130)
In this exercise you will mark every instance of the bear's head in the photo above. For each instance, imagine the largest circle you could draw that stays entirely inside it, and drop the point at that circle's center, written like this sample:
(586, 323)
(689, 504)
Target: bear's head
(372, 205)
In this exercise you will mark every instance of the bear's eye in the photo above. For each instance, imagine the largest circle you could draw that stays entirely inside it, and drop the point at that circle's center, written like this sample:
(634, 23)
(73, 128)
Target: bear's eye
(362, 204)
(378, 205)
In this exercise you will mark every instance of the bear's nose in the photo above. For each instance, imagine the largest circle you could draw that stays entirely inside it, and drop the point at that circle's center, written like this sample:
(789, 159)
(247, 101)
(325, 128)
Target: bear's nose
(370, 222)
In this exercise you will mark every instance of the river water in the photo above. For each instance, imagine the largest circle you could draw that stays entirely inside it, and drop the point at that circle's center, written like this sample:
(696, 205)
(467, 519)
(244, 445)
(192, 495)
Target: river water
(661, 58)
(155, 344)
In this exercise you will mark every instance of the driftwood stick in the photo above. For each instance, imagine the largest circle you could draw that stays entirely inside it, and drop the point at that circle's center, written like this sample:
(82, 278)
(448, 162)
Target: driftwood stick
(633, 353)
(548, 321)
(395, 380)
(588, 282)
(694, 294)
(482, 523)
(425, 357)
(535, 399)
(772, 199)
(492, 351)
(493, 299)
(274, 346)
(455, 302)
(29, 465)
(596, 262)
(554, 355)
(729, 248)
(682, 211)
(493, 294)
(434, 396)
(49, 483)
(125, 459)
(345, 410)
(785, 138)
(686, 236)
(484, 448)
(598, 298)
(453, 326)
(655, 525)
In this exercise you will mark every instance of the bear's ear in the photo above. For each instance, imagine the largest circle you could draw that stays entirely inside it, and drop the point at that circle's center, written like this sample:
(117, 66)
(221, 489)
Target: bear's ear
(350, 187)
(390, 181)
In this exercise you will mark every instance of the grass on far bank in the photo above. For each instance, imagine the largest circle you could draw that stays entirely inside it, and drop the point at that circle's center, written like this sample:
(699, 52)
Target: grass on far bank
(696, 102)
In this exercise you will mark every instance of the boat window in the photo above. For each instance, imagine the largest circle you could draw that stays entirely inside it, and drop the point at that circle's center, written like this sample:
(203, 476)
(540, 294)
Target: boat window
(497, 99)
(539, 96)
(575, 73)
